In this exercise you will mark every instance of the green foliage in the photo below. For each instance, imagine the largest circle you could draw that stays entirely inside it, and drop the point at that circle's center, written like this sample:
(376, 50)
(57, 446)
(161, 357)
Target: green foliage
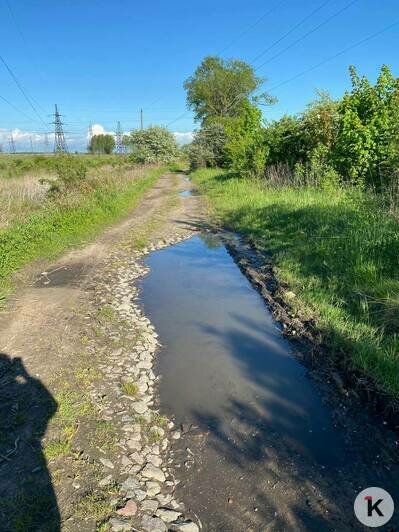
(102, 144)
(367, 146)
(207, 148)
(245, 149)
(152, 145)
(219, 87)
(337, 252)
(67, 219)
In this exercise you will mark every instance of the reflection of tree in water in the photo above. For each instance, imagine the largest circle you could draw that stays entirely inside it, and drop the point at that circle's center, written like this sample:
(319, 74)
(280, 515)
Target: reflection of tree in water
(211, 240)
(27, 498)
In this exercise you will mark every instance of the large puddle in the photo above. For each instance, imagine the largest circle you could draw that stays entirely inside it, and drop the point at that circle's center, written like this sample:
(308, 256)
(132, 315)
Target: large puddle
(227, 368)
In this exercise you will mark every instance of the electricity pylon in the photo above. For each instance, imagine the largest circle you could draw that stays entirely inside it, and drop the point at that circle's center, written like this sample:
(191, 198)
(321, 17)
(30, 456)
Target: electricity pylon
(12, 144)
(119, 146)
(60, 145)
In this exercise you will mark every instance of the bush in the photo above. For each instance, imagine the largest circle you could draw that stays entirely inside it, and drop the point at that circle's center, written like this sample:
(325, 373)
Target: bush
(245, 149)
(152, 145)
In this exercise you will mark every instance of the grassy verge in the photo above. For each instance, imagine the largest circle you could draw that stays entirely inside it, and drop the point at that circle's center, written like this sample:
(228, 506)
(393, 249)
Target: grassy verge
(337, 253)
(69, 219)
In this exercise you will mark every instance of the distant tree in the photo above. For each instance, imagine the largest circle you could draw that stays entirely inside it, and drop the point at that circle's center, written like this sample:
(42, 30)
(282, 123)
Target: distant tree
(207, 148)
(152, 145)
(102, 144)
(218, 88)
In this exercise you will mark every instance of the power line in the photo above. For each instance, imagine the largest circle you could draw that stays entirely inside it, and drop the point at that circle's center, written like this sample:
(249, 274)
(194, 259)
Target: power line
(347, 49)
(252, 26)
(291, 30)
(326, 21)
(28, 48)
(17, 82)
(18, 110)
(296, 26)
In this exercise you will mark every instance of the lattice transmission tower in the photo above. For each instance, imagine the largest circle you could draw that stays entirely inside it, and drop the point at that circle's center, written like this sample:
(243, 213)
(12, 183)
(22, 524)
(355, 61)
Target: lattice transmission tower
(12, 144)
(60, 145)
(119, 146)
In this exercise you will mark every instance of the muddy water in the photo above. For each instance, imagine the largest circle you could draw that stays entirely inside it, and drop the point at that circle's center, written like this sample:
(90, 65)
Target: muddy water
(265, 440)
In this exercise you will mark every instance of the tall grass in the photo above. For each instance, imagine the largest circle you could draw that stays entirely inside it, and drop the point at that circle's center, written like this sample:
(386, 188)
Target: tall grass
(337, 251)
(44, 228)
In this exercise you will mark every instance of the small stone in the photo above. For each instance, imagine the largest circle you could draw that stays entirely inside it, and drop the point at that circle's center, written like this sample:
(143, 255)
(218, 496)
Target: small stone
(167, 515)
(183, 526)
(149, 505)
(153, 473)
(128, 510)
(140, 495)
(131, 483)
(136, 457)
(153, 524)
(176, 435)
(134, 445)
(157, 431)
(105, 481)
(155, 460)
(140, 407)
(164, 500)
(125, 461)
(107, 463)
(119, 526)
(153, 488)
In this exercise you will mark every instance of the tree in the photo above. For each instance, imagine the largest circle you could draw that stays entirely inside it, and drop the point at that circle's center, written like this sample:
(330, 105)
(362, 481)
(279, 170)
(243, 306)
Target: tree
(152, 145)
(102, 144)
(207, 148)
(219, 88)
(367, 149)
(245, 149)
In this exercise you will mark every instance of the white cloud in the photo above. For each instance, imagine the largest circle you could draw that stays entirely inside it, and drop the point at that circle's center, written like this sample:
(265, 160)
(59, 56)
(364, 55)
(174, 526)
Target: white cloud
(183, 137)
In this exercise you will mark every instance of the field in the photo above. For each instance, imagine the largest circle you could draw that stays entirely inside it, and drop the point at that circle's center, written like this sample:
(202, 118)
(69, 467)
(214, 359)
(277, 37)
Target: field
(336, 253)
(49, 204)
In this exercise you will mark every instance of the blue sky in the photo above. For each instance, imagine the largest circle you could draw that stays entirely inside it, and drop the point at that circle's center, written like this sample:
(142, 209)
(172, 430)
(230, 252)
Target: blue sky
(102, 61)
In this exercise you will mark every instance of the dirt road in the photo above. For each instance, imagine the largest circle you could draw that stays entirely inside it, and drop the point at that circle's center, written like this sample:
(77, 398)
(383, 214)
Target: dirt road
(85, 444)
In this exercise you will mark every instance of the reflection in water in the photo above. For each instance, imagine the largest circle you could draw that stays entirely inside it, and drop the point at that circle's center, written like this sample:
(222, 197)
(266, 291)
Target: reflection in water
(225, 359)
(185, 193)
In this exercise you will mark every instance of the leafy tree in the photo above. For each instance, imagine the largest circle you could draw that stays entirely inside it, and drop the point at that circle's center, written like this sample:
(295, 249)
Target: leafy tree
(367, 148)
(219, 88)
(207, 148)
(284, 141)
(245, 149)
(102, 144)
(152, 145)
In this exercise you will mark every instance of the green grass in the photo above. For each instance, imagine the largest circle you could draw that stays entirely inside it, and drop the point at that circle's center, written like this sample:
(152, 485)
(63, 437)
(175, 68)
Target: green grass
(59, 225)
(338, 252)
(130, 388)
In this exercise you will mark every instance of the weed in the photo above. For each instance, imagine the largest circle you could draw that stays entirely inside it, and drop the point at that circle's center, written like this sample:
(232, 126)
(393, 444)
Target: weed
(130, 388)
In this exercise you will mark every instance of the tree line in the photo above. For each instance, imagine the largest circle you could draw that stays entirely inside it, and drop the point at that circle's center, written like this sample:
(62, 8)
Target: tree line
(352, 140)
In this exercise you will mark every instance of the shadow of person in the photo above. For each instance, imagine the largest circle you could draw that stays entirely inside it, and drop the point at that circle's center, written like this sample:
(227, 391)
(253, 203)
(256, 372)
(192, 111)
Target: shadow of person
(27, 498)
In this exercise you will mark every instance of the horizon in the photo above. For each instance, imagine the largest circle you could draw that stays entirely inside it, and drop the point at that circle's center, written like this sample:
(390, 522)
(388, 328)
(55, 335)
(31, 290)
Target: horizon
(103, 67)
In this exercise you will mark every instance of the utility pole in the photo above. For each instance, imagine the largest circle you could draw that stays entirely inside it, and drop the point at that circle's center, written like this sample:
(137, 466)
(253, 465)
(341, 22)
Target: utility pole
(31, 143)
(141, 119)
(90, 136)
(12, 144)
(119, 146)
(60, 145)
